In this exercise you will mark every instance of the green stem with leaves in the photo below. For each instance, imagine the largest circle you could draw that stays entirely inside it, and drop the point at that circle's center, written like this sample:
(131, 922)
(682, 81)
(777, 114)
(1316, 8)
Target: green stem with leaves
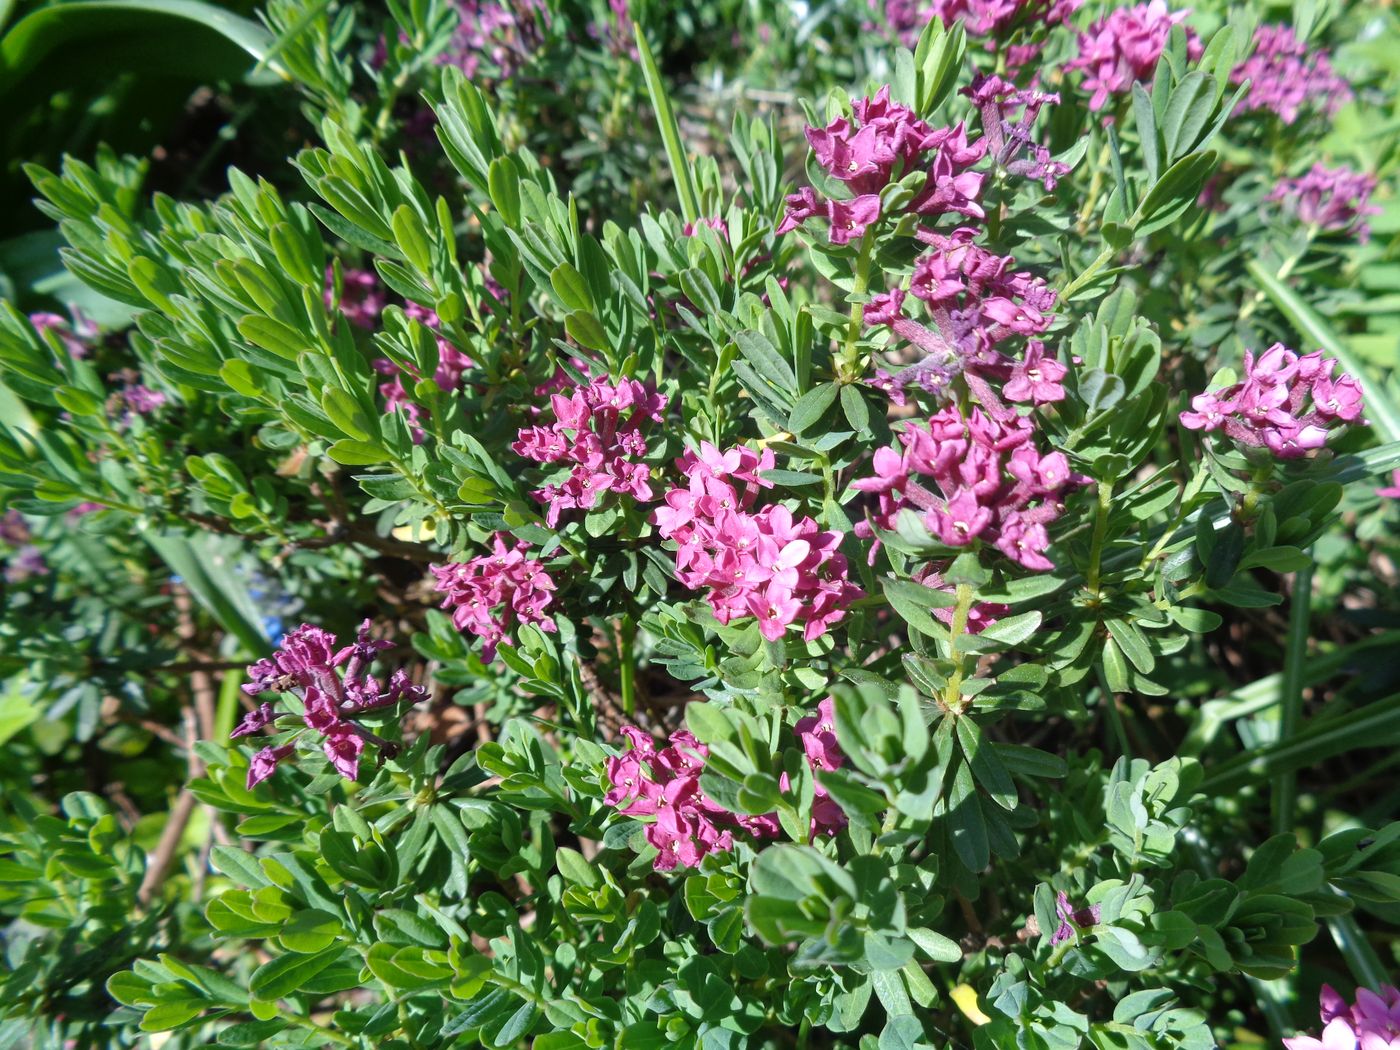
(848, 369)
(1093, 575)
(952, 694)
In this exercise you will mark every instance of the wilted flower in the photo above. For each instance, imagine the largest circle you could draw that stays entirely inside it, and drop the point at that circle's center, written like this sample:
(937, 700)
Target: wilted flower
(1008, 114)
(1072, 918)
(334, 685)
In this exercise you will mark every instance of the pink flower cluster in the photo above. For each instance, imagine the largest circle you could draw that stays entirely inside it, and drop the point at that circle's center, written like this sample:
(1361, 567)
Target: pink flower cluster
(306, 664)
(1335, 199)
(1372, 1023)
(994, 19)
(886, 142)
(764, 563)
(490, 594)
(498, 34)
(451, 367)
(1286, 403)
(597, 429)
(977, 300)
(665, 785)
(817, 735)
(1285, 77)
(1124, 47)
(990, 484)
(362, 297)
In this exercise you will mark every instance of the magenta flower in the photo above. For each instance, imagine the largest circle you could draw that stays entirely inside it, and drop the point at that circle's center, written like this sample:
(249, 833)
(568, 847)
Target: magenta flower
(972, 479)
(663, 787)
(765, 563)
(996, 20)
(883, 141)
(362, 297)
(334, 686)
(1372, 1023)
(1333, 199)
(1286, 404)
(1036, 378)
(1124, 47)
(597, 430)
(1393, 490)
(1285, 77)
(489, 594)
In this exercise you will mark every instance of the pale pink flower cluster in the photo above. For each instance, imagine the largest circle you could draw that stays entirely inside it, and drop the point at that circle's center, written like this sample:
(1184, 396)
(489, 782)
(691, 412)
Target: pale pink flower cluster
(990, 484)
(977, 300)
(489, 594)
(334, 685)
(685, 825)
(597, 429)
(1371, 1023)
(1334, 199)
(765, 563)
(1286, 403)
(887, 141)
(1124, 48)
(1285, 77)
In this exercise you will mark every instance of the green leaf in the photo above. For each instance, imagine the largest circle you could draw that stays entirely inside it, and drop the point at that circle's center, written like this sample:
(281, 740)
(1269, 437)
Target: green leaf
(101, 39)
(309, 932)
(286, 974)
(670, 130)
(811, 406)
(357, 453)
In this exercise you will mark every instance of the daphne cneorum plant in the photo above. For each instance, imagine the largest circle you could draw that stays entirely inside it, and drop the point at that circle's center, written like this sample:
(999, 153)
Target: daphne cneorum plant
(816, 602)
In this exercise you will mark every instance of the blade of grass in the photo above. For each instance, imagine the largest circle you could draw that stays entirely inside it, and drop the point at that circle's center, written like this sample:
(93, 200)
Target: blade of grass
(1361, 958)
(1264, 693)
(1374, 725)
(1381, 408)
(223, 595)
(1295, 656)
(670, 130)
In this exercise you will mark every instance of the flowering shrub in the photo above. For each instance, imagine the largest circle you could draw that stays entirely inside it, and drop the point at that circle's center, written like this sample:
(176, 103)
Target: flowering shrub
(549, 568)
